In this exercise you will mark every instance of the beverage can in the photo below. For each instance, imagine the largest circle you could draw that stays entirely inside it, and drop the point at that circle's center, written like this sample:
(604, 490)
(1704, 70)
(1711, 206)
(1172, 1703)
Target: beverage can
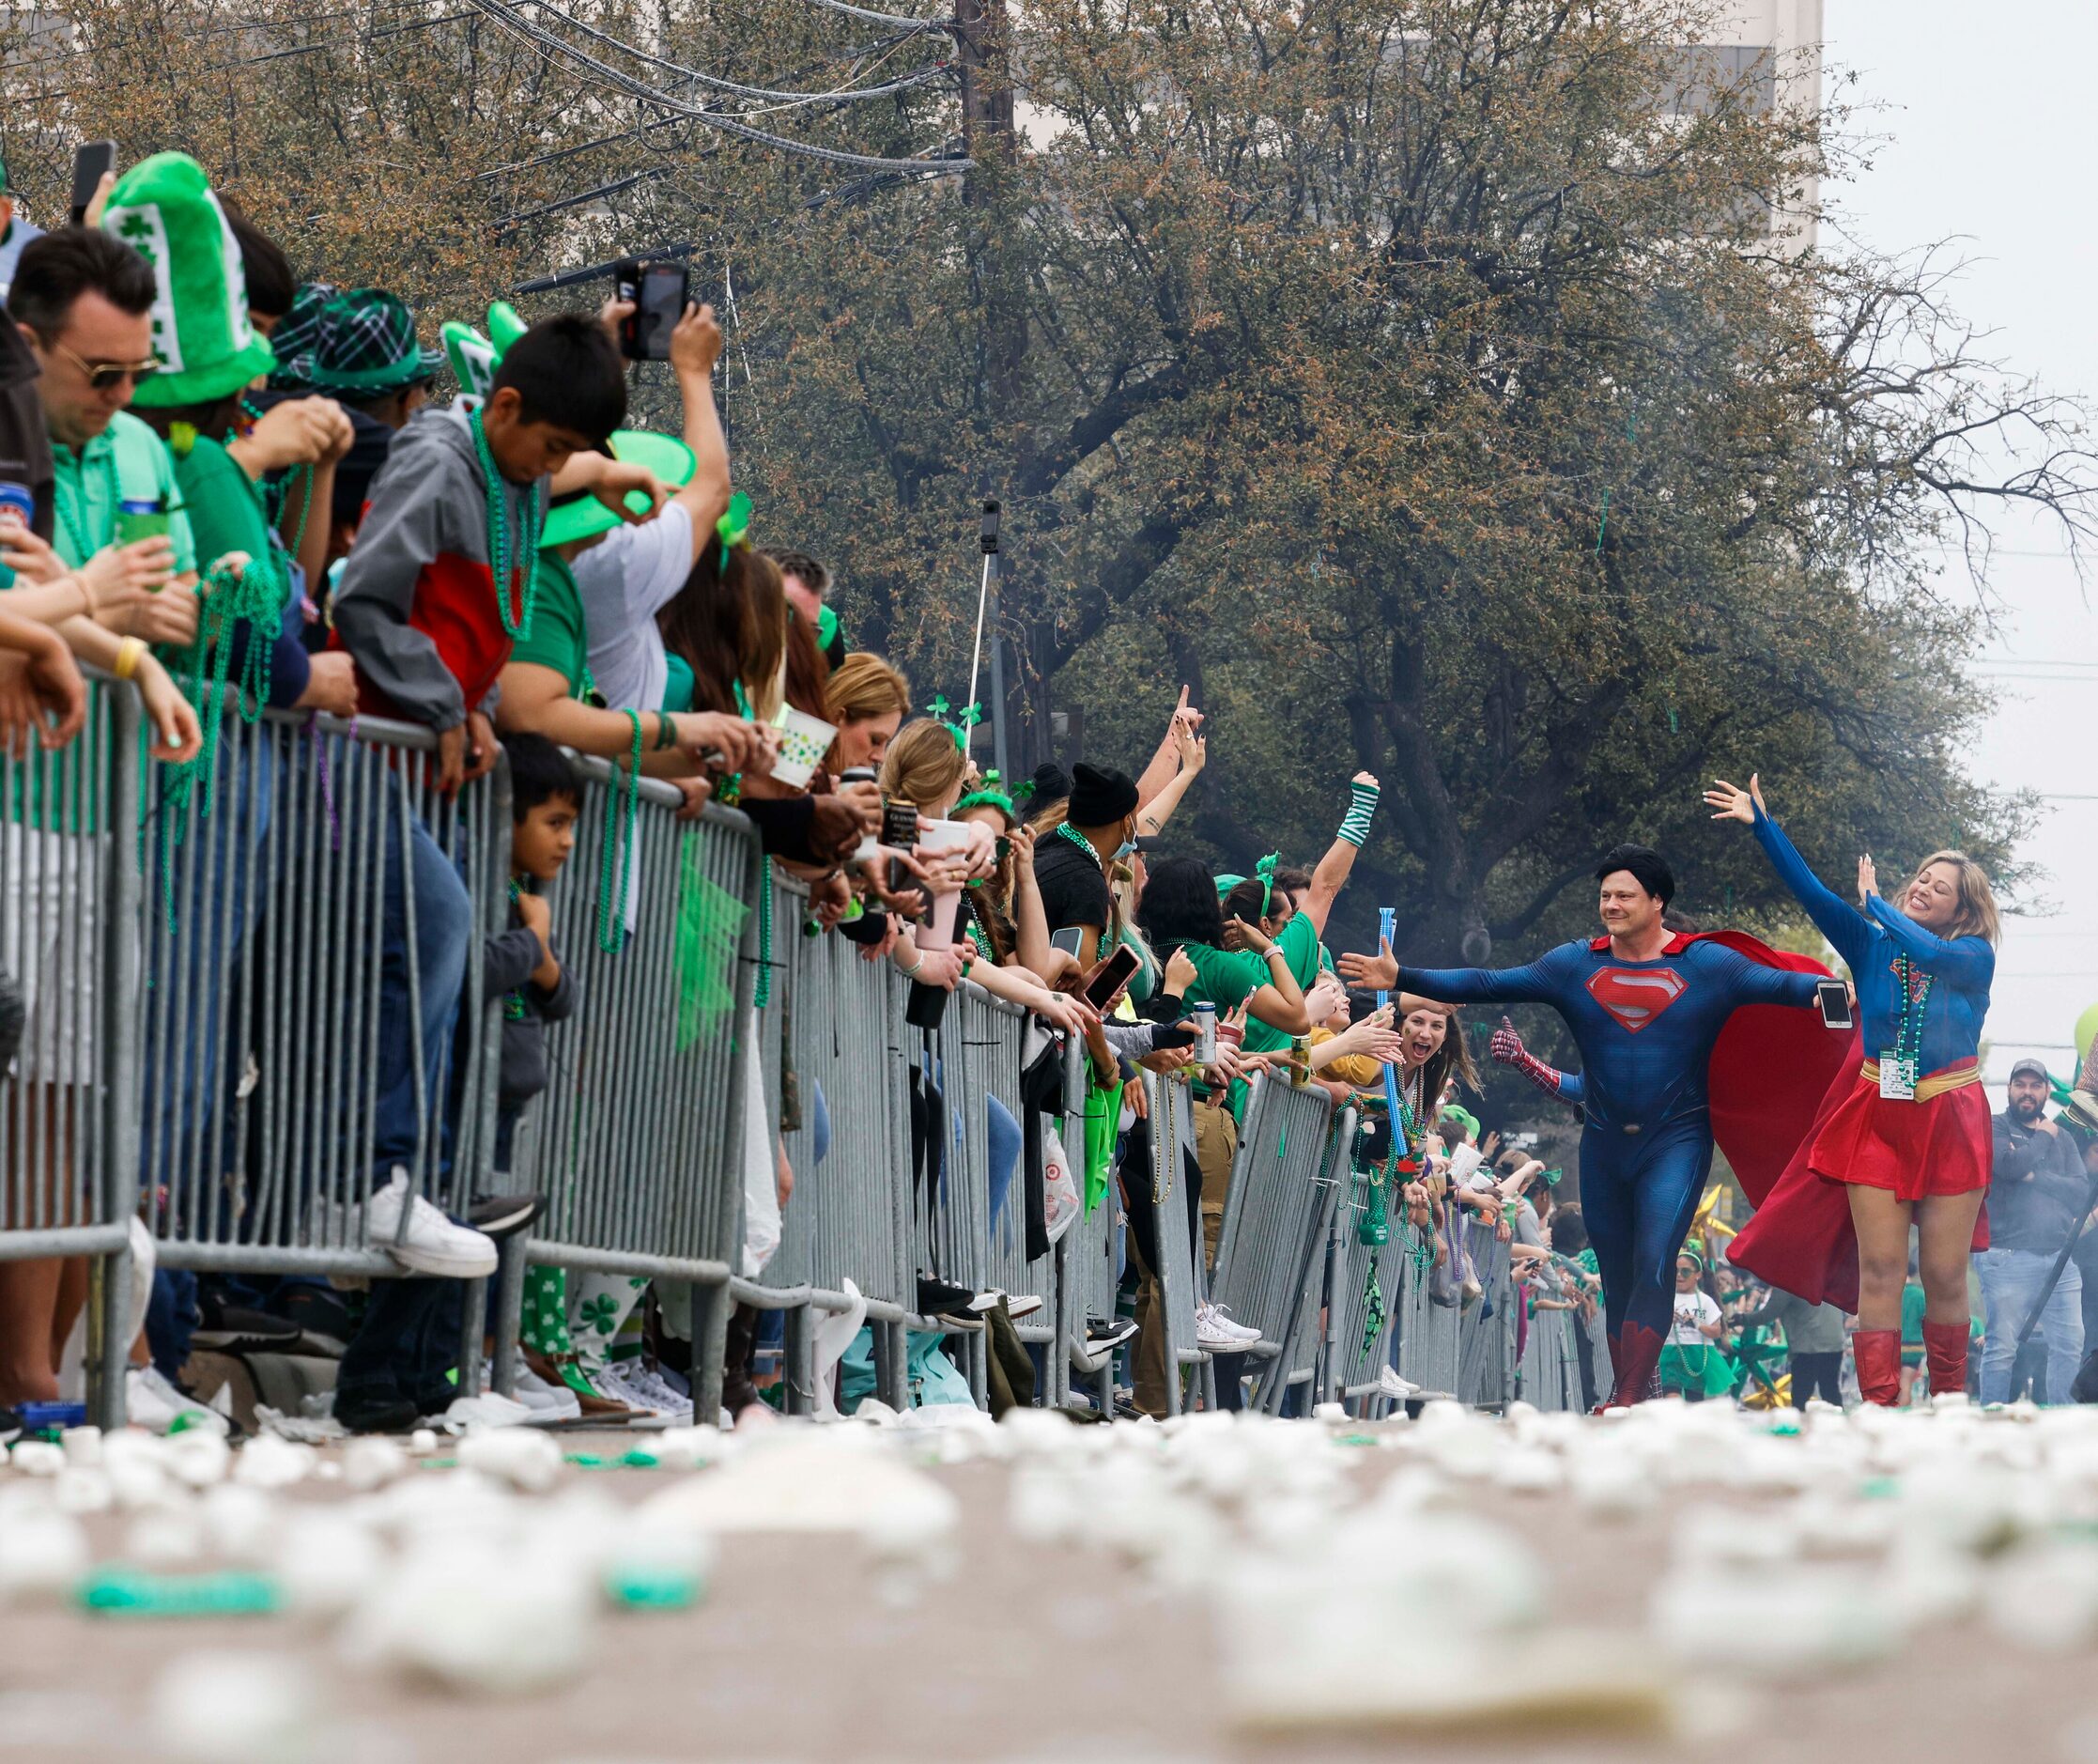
(19, 498)
(139, 519)
(1205, 1030)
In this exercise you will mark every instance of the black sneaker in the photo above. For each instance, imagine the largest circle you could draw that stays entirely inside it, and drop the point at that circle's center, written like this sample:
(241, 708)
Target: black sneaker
(1104, 1337)
(945, 1301)
(378, 1409)
(10, 1427)
(235, 1329)
(500, 1215)
(325, 1321)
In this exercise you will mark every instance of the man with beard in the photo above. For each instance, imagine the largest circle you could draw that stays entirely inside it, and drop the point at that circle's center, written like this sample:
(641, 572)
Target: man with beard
(2037, 1187)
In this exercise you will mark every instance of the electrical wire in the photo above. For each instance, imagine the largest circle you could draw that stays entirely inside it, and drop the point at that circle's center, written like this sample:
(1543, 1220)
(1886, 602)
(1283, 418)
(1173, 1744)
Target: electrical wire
(507, 17)
(890, 20)
(843, 94)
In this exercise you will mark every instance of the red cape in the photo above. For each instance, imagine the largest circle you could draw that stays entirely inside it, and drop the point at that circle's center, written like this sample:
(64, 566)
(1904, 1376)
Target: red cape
(1777, 1073)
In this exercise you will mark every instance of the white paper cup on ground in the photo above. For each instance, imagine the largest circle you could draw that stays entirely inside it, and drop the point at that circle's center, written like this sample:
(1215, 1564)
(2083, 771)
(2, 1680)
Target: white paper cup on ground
(803, 742)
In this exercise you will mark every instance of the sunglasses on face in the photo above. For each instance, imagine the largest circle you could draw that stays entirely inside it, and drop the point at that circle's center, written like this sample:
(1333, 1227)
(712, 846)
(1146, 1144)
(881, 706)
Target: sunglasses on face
(105, 376)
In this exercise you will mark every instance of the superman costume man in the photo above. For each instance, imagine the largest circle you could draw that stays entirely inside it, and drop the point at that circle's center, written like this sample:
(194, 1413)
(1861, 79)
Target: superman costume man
(1651, 1011)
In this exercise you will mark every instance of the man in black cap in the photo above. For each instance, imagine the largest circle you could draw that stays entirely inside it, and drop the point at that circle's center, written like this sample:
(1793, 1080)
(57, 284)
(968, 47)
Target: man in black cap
(1071, 864)
(2036, 1200)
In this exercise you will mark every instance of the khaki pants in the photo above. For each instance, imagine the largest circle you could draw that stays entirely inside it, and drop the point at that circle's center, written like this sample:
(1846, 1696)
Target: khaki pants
(1216, 1144)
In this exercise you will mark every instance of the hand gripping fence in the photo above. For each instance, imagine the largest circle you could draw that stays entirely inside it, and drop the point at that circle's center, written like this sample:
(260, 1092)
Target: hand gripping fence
(227, 1051)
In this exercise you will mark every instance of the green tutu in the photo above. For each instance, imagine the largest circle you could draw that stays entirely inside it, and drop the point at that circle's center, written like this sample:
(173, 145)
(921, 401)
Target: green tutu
(1699, 1369)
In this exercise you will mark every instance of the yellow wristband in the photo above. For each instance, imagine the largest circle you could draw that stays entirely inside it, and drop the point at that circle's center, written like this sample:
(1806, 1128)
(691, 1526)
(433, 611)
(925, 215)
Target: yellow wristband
(128, 654)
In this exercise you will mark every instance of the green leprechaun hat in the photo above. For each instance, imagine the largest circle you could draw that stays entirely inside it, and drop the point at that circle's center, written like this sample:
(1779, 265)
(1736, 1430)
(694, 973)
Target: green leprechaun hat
(206, 346)
(583, 514)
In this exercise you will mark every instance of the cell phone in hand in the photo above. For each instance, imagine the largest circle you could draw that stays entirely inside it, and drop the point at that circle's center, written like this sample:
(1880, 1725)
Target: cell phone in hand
(1834, 1000)
(658, 292)
(1069, 940)
(92, 161)
(1110, 976)
(1171, 1037)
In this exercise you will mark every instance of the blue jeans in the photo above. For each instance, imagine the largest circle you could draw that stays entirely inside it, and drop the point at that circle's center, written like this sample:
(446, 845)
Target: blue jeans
(219, 889)
(409, 1342)
(2011, 1282)
(437, 960)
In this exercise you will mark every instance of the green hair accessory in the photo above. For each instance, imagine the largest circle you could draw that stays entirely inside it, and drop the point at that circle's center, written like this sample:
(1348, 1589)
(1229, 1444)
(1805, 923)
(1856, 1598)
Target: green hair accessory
(734, 525)
(986, 799)
(1693, 1254)
(1552, 1177)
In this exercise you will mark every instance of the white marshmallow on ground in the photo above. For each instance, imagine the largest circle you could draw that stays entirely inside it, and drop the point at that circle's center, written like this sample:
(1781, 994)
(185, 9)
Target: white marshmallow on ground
(1331, 1414)
(78, 1490)
(164, 1538)
(478, 1617)
(371, 1461)
(83, 1446)
(239, 1522)
(1610, 1484)
(35, 1458)
(199, 1457)
(815, 1479)
(267, 1462)
(522, 1457)
(326, 1560)
(690, 1447)
(228, 1707)
(1775, 1622)
(2043, 1596)
(42, 1553)
(421, 1442)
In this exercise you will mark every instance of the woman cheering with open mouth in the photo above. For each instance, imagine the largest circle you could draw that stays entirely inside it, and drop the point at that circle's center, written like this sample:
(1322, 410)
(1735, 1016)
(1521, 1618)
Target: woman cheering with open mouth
(1911, 1137)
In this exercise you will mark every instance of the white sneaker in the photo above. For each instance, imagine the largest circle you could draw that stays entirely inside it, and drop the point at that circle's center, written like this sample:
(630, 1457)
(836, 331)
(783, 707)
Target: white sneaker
(1017, 1305)
(431, 1244)
(547, 1402)
(1218, 1321)
(638, 1388)
(1389, 1384)
(1210, 1335)
(151, 1402)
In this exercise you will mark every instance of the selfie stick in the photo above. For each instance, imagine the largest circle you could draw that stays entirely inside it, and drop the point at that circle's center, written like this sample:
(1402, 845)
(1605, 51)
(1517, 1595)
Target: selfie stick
(1387, 921)
(985, 601)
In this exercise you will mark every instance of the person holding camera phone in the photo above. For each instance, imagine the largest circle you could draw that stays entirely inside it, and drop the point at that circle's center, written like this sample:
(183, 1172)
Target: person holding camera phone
(1908, 1135)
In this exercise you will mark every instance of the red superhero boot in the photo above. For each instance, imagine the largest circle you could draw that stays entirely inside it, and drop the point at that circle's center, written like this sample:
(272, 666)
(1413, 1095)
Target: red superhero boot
(1635, 1356)
(1945, 1354)
(1879, 1365)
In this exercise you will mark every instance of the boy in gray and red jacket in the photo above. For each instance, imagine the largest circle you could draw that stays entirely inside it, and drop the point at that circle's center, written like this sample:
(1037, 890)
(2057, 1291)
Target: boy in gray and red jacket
(436, 589)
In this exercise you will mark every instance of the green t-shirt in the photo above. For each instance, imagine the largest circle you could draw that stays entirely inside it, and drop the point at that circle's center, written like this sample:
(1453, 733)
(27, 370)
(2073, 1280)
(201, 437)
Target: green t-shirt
(221, 503)
(1224, 978)
(1298, 944)
(1912, 1314)
(560, 639)
(126, 463)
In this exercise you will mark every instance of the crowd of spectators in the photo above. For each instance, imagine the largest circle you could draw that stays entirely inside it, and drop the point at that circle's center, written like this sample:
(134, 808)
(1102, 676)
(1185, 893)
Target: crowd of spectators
(214, 472)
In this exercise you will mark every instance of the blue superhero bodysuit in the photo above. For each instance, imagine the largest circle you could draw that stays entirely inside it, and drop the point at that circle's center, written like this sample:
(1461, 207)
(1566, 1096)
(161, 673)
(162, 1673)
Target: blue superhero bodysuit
(1646, 1030)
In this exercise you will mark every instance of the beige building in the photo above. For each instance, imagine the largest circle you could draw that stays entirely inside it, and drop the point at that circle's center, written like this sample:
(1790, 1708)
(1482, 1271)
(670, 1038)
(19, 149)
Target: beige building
(1779, 43)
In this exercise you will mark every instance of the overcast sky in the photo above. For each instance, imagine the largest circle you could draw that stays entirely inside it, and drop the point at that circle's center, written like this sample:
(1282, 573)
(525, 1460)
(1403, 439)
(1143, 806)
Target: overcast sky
(1982, 118)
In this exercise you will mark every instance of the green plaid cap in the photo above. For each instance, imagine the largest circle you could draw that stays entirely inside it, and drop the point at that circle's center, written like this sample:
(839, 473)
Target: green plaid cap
(296, 332)
(364, 341)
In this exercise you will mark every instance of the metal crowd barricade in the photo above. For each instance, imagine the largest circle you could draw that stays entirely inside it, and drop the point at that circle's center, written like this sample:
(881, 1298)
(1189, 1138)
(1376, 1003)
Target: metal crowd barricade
(1087, 1259)
(638, 1144)
(1304, 1351)
(1485, 1364)
(1427, 1332)
(1172, 1117)
(1550, 1373)
(1275, 1224)
(989, 1038)
(1352, 1361)
(68, 941)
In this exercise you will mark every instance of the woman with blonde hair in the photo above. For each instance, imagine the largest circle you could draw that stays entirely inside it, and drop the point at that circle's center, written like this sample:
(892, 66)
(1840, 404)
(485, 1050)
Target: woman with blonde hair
(867, 699)
(1910, 1136)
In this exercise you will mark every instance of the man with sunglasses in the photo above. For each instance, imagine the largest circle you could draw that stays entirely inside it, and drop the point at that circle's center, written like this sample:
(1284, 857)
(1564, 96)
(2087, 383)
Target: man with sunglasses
(84, 302)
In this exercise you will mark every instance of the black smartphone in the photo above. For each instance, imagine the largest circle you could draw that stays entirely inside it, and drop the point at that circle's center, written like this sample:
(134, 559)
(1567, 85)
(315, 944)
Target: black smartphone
(658, 292)
(1110, 977)
(1834, 999)
(91, 161)
(1068, 939)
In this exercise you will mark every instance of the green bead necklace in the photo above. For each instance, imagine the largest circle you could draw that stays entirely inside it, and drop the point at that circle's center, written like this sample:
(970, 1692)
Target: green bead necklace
(507, 555)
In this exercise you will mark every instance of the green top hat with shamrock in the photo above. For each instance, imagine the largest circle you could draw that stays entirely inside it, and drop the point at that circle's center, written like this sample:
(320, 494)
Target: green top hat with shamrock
(581, 515)
(206, 346)
(474, 358)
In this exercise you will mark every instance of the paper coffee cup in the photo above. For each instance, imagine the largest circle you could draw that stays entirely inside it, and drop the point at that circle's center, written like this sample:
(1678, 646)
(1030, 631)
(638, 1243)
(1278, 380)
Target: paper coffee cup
(803, 742)
(941, 836)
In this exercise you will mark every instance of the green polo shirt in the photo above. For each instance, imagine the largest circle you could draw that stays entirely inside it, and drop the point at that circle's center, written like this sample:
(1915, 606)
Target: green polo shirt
(559, 638)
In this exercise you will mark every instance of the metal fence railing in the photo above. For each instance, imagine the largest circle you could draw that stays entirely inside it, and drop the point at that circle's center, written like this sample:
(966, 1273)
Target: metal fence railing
(227, 1043)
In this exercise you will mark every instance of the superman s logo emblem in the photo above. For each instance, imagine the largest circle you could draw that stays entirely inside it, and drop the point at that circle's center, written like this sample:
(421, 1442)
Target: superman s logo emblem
(1636, 996)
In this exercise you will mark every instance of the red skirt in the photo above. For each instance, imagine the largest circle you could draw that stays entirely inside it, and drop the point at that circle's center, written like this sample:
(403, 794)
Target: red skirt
(1800, 1237)
(1916, 1150)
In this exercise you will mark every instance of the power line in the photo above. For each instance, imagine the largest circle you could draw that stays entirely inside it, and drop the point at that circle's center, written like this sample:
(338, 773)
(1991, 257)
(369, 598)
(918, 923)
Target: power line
(842, 94)
(510, 19)
(888, 20)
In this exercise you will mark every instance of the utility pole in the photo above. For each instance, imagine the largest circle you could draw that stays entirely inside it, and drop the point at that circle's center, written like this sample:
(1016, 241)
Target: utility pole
(982, 32)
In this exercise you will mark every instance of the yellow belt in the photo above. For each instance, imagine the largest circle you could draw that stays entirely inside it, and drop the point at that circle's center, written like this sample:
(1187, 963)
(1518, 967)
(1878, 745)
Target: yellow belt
(1951, 1079)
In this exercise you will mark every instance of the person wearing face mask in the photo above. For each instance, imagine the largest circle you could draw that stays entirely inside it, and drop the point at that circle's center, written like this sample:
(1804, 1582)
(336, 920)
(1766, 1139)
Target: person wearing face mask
(1097, 827)
(1903, 1140)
